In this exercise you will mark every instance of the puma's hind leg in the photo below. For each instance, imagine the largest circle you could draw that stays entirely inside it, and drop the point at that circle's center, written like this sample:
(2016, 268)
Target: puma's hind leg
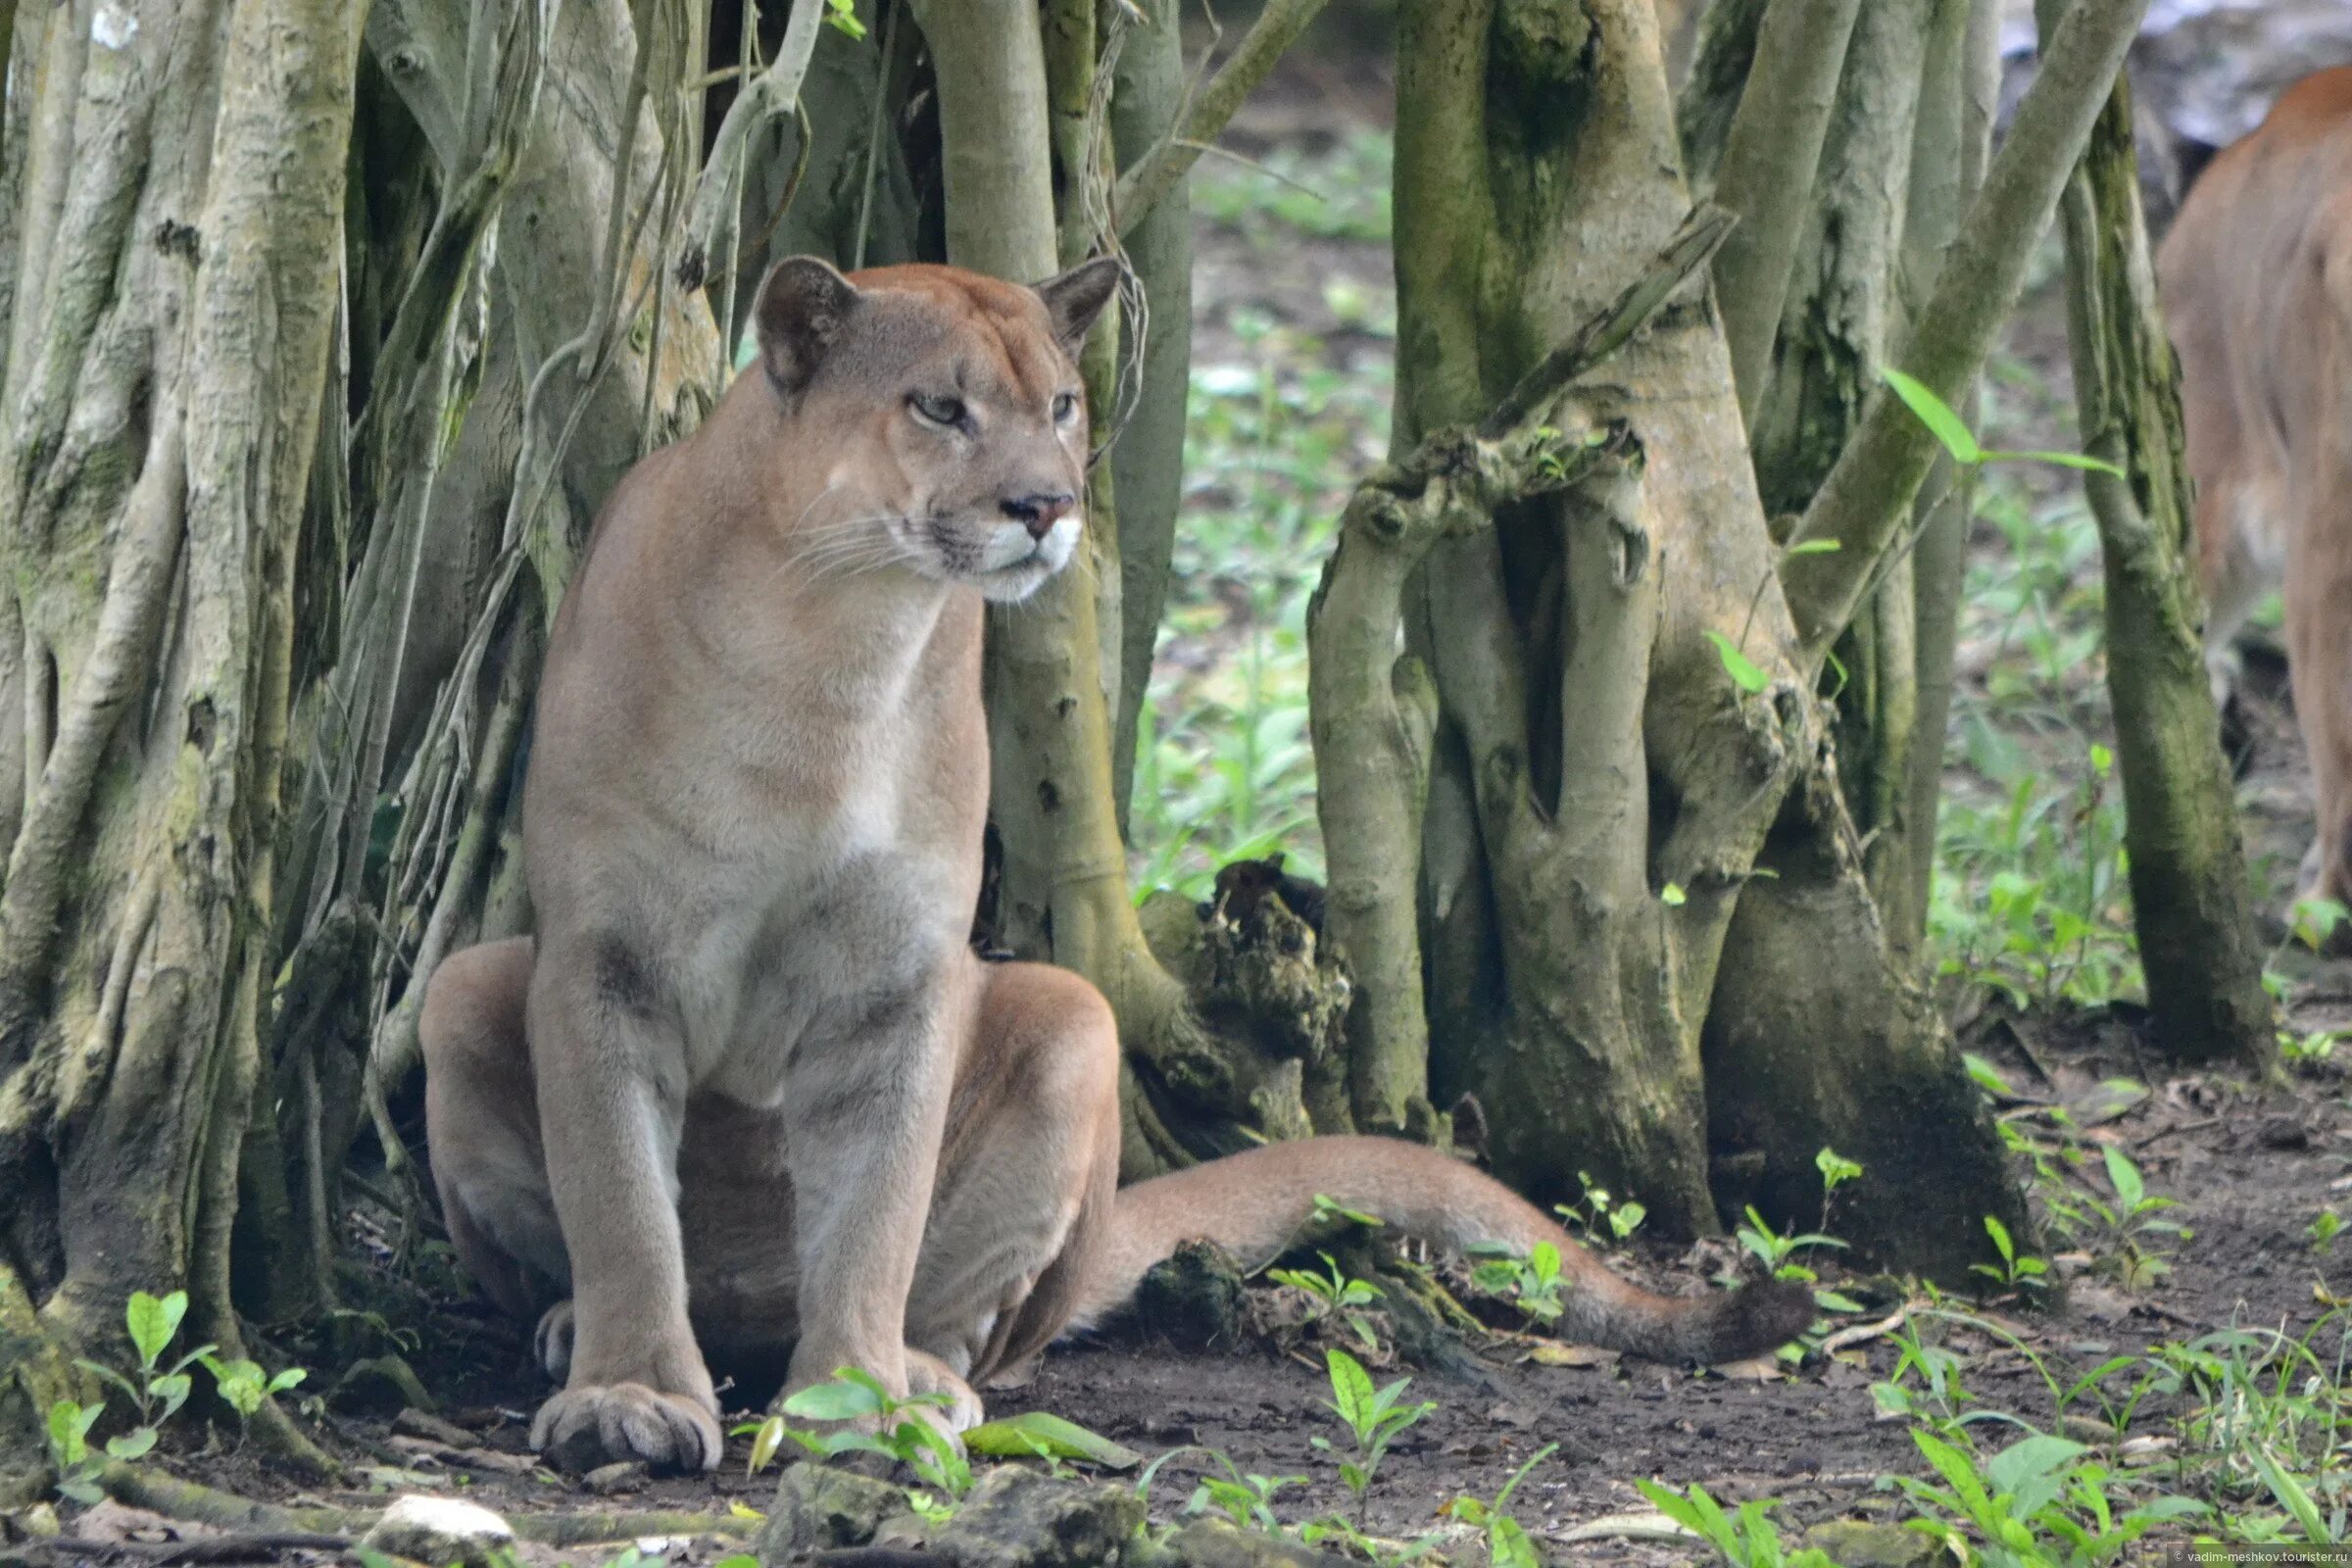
(481, 1116)
(1026, 1177)
(2319, 635)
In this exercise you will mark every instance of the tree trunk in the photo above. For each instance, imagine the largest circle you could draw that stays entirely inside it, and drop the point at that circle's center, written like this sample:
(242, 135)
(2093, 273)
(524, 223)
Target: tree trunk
(1148, 463)
(2191, 896)
(1841, 315)
(1957, 94)
(180, 210)
(1770, 158)
(513, 385)
(1577, 894)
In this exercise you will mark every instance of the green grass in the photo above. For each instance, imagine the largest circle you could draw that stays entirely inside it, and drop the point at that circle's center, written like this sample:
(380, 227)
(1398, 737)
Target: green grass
(2031, 901)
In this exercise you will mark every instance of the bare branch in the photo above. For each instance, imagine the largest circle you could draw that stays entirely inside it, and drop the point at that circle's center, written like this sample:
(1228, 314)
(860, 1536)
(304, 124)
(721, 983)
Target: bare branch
(1867, 496)
(1156, 173)
(1769, 163)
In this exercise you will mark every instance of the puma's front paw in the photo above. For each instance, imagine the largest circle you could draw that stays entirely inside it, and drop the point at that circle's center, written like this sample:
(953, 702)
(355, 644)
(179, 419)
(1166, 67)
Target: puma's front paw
(928, 1374)
(582, 1428)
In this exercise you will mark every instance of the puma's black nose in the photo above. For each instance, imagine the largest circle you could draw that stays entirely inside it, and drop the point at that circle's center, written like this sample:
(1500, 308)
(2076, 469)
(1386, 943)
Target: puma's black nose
(1038, 513)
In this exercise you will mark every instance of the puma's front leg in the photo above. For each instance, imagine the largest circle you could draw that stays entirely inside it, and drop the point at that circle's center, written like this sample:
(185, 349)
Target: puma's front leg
(609, 1058)
(866, 1114)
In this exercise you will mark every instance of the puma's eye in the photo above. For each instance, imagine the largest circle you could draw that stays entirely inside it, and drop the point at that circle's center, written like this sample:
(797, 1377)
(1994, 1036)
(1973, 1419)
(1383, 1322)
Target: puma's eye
(948, 412)
(1065, 407)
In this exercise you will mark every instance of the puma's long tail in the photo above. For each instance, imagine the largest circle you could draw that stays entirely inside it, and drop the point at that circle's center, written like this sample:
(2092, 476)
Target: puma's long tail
(1253, 1203)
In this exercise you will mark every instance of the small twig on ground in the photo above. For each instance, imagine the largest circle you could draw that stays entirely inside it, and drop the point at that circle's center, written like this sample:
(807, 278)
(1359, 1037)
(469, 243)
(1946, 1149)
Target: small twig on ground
(2197, 1126)
(144, 1487)
(1863, 1333)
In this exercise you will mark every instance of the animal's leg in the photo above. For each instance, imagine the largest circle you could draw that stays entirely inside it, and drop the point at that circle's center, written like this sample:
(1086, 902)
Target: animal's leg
(2233, 577)
(611, 1106)
(481, 1117)
(865, 1113)
(2318, 638)
(1025, 1184)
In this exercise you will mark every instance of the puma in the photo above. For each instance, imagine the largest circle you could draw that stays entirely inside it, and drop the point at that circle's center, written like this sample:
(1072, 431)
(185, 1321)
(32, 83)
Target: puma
(749, 1090)
(2256, 283)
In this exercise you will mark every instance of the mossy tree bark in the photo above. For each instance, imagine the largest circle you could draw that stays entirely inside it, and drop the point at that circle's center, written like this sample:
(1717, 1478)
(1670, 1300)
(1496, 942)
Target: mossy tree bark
(1593, 752)
(1148, 463)
(2191, 896)
(1841, 314)
(1013, 101)
(1954, 137)
(533, 340)
(179, 191)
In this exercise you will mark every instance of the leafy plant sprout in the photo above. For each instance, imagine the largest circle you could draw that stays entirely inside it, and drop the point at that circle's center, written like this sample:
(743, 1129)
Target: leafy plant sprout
(855, 1396)
(157, 1391)
(1335, 1295)
(1374, 1417)
(1531, 1281)
(1599, 1217)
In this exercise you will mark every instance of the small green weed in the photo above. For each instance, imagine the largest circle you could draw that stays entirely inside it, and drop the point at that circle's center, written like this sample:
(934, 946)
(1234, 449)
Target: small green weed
(1747, 1538)
(2125, 1232)
(1598, 1217)
(1778, 1252)
(1507, 1544)
(901, 1433)
(1530, 1280)
(1335, 1295)
(1375, 1418)
(2017, 1271)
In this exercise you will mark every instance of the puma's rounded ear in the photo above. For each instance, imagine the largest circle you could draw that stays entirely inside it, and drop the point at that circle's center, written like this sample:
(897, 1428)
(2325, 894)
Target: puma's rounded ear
(803, 306)
(1075, 298)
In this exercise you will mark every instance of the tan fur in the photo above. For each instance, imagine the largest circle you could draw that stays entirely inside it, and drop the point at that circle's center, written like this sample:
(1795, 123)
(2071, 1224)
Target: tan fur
(2256, 280)
(748, 1092)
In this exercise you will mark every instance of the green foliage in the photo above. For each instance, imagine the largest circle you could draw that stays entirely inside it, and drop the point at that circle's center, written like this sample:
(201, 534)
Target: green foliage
(1374, 1417)
(2130, 1231)
(2030, 900)
(155, 1389)
(1341, 193)
(1745, 1540)
(2040, 1500)
(2016, 1271)
(1530, 1280)
(1959, 441)
(1507, 1544)
(1335, 1295)
(1736, 664)
(1275, 441)
(1050, 1437)
(1596, 1216)
(243, 1385)
(1778, 1252)
(1246, 1499)
(871, 1420)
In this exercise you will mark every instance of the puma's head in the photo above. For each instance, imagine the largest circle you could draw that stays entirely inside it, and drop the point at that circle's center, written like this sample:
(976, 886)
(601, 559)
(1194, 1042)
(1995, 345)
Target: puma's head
(947, 409)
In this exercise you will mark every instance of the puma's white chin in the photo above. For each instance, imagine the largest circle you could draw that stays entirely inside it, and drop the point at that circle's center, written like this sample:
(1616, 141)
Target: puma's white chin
(1009, 585)
(1024, 568)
